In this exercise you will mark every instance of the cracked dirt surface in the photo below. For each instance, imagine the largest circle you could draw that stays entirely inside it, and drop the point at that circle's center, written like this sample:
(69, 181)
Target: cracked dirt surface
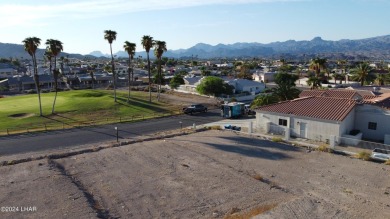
(210, 174)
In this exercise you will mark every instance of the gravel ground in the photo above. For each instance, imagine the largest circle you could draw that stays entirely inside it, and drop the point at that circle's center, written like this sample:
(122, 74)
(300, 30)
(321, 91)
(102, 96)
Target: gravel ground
(210, 174)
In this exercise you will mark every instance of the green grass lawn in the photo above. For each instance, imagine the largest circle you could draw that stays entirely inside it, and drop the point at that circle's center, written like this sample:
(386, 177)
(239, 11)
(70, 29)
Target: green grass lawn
(21, 113)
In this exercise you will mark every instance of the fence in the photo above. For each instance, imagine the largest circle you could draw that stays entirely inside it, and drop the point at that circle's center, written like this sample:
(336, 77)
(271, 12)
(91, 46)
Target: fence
(357, 145)
(62, 123)
(348, 143)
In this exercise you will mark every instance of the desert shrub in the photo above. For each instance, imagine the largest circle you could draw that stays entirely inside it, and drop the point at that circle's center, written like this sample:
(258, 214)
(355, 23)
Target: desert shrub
(276, 139)
(214, 127)
(387, 162)
(258, 177)
(324, 148)
(348, 191)
(364, 155)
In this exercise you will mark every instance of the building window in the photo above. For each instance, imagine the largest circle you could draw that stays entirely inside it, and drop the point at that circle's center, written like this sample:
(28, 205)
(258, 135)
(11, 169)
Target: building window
(283, 122)
(372, 125)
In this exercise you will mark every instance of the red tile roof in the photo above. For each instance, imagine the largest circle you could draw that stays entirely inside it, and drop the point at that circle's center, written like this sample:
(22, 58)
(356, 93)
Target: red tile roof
(346, 94)
(382, 100)
(327, 108)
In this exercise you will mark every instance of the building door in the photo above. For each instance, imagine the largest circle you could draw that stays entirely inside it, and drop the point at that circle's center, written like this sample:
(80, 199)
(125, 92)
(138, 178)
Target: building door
(302, 132)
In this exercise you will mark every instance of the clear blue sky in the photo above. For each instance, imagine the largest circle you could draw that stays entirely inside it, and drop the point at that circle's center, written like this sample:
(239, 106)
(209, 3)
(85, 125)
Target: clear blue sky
(79, 24)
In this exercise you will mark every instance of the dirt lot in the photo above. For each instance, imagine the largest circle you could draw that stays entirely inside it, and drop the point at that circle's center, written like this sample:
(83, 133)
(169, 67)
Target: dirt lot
(210, 174)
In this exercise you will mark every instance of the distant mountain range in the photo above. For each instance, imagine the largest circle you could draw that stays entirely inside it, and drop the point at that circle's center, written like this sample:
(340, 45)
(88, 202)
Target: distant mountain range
(17, 50)
(370, 48)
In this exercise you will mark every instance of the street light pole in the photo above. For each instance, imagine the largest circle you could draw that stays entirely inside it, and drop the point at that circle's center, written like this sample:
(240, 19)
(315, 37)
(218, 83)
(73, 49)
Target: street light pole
(117, 137)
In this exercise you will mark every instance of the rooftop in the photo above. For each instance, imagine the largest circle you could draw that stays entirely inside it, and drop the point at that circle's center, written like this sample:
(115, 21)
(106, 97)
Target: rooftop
(328, 108)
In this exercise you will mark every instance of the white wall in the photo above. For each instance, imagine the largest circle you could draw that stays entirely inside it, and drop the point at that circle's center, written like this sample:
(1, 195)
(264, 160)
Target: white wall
(368, 113)
(316, 129)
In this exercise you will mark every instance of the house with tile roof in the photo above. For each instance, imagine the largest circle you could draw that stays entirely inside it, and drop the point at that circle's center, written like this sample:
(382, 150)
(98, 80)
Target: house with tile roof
(317, 115)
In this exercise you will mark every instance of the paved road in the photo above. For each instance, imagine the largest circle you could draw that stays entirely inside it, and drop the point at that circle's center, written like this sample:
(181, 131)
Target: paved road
(75, 137)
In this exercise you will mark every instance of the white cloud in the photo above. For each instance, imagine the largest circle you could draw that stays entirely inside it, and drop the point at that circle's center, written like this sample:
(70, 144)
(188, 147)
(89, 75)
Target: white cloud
(38, 15)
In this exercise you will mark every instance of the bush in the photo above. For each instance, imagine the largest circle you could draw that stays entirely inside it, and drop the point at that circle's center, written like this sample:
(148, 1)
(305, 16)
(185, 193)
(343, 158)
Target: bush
(387, 162)
(214, 127)
(364, 155)
(45, 91)
(325, 148)
(276, 139)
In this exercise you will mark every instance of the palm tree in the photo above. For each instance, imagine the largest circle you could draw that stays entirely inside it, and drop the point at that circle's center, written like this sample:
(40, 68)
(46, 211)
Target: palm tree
(313, 82)
(361, 72)
(130, 49)
(318, 65)
(55, 46)
(263, 100)
(380, 79)
(48, 54)
(159, 48)
(110, 36)
(147, 43)
(343, 64)
(30, 45)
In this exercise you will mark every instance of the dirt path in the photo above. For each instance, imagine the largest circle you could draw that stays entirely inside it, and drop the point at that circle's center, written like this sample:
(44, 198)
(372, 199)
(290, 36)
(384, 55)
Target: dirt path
(211, 174)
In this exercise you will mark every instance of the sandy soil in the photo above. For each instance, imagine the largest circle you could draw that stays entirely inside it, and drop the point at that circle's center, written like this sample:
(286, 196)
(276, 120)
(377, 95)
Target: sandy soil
(211, 174)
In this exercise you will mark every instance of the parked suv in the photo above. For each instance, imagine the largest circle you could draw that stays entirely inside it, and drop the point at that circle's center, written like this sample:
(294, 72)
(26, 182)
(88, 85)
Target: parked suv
(194, 108)
(380, 154)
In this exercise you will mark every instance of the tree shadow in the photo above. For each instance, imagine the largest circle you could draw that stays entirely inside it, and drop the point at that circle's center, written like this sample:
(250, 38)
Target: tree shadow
(140, 103)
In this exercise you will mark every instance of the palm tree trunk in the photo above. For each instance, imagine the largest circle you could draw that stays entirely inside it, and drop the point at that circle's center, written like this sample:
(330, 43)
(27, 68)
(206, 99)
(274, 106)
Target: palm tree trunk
(129, 79)
(113, 72)
(55, 75)
(150, 84)
(36, 79)
(159, 78)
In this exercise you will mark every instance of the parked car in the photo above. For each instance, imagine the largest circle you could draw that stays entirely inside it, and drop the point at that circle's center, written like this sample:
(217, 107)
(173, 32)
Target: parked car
(380, 154)
(248, 110)
(194, 108)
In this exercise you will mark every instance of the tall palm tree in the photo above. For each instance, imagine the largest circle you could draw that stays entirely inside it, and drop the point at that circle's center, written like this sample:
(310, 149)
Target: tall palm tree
(48, 55)
(159, 48)
(130, 49)
(343, 64)
(55, 46)
(30, 45)
(147, 43)
(360, 73)
(110, 36)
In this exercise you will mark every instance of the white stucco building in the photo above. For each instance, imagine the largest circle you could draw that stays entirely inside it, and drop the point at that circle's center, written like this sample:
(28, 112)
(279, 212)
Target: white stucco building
(317, 115)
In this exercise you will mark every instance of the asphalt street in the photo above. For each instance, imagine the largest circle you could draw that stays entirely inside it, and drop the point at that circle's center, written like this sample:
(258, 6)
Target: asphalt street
(61, 139)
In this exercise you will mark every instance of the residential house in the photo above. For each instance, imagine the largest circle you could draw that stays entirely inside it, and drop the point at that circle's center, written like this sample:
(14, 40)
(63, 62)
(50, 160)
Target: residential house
(244, 85)
(318, 115)
(7, 70)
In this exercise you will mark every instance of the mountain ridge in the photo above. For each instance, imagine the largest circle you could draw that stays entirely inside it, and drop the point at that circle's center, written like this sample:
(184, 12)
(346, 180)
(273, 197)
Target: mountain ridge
(373, 47)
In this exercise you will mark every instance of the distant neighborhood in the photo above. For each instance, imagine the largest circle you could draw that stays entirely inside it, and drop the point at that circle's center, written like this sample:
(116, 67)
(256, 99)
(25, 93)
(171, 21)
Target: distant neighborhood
(334, 98)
